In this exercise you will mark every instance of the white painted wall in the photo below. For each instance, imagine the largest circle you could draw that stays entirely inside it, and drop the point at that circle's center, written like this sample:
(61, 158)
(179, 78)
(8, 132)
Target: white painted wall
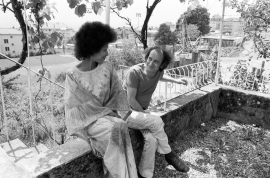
(14, 44)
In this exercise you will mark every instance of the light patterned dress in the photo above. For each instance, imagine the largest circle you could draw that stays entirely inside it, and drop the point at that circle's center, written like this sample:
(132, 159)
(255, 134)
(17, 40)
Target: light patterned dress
(89, 97)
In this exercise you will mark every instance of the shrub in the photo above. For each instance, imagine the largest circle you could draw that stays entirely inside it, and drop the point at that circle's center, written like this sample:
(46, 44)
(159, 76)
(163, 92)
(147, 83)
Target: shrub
(129, 55)
(46, 98)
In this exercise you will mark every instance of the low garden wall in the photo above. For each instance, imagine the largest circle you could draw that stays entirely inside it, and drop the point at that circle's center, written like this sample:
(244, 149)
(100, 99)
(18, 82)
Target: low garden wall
(74, 159)
(243, 106)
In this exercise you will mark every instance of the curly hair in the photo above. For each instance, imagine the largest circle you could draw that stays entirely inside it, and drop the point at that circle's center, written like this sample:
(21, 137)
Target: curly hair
(91, 37)
(166, 57)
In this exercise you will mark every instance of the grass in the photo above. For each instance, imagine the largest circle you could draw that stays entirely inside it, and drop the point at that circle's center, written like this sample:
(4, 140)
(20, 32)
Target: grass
(54, 63)
(48, 60)
(221, 149)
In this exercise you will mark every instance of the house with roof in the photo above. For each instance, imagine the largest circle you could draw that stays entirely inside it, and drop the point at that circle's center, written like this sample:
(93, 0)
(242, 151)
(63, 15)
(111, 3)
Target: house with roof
(50, 27)
(10, 41)
(124, 33)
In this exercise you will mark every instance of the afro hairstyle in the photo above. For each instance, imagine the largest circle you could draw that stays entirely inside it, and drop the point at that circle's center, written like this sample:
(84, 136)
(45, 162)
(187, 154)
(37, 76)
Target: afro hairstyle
(91, 37)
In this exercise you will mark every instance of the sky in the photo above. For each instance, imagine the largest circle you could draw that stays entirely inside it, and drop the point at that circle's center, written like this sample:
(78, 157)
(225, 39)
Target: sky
(165, 11)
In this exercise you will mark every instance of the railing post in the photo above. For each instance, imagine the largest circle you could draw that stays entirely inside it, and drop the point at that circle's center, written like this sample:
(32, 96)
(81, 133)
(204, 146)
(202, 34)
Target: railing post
(4, 108)
(220, 43)
(29, 76)
(165, 103)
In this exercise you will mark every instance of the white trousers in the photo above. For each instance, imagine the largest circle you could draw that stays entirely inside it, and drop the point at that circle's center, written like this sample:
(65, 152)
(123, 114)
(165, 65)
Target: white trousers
(152, 128)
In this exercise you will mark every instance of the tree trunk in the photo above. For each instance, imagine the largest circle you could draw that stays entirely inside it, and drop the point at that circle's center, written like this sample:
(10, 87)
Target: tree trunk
(149, 11)
(18, 12)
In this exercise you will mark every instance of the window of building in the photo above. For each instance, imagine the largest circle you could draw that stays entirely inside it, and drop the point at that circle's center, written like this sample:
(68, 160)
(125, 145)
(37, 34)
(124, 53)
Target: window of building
(7, 48)
(5, 40)
(11, 36)
(13, 51)
(12, 44)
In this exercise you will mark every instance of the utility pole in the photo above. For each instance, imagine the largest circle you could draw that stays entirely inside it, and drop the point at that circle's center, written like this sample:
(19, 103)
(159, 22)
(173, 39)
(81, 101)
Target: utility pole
(138, 15)
(220, 43)
(64, 39)
(108, 12)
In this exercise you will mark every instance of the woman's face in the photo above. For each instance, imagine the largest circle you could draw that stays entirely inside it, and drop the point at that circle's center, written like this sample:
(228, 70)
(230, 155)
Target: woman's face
(100, 56)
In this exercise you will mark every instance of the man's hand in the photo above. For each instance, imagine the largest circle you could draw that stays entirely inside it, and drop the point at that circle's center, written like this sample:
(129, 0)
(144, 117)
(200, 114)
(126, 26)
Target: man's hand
(113, 114)
(183, 82)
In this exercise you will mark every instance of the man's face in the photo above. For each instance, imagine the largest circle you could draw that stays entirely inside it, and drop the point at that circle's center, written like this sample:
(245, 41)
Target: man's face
(154, 60)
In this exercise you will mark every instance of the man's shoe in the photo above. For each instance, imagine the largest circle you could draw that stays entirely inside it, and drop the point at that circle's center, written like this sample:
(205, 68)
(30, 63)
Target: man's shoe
(176, 162)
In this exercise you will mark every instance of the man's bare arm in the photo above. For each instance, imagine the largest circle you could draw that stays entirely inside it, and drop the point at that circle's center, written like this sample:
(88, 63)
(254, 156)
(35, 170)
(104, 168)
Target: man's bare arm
(167, 78)
(131, 95)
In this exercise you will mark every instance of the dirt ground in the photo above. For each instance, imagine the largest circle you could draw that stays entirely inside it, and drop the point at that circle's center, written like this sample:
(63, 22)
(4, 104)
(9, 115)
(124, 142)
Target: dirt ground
(221, 149)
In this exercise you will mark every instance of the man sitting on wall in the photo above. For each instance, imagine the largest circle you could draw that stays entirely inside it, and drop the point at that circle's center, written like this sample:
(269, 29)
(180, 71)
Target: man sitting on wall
(140, 83)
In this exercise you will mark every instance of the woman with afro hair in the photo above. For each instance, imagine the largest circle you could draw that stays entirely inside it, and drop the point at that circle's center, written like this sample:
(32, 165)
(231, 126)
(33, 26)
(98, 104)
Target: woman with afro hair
(93, 97)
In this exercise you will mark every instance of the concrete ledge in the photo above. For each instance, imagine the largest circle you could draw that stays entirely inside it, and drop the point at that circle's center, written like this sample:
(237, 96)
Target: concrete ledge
(8, 169)
(189, 110)
(74, 159)
(248, 107)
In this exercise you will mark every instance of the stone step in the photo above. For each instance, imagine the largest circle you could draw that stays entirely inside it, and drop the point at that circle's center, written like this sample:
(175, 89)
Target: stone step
(17, 150)
(8, 169)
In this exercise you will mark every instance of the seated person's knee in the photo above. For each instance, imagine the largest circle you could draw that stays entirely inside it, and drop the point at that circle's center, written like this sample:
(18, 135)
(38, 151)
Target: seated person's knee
(150, 140)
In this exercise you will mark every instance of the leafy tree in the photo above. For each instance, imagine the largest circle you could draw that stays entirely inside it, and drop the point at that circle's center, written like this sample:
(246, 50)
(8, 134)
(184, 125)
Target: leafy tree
(256, 18)
(80, 10)
(39, 11)
(198, 16)
(165, 36)
(193, 32)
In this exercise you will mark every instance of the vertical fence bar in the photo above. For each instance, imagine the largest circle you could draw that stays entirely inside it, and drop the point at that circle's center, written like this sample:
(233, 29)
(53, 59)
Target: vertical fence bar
(165, 103)
(159, 89)
(51, 108)
(29, 75)
(4, 107)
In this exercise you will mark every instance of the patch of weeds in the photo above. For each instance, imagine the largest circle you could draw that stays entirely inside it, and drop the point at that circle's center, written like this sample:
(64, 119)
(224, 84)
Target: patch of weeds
(222, 148)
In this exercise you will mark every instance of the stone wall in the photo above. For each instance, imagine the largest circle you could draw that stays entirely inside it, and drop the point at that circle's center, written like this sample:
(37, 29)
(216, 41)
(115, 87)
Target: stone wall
(74, 159)
(244, 106)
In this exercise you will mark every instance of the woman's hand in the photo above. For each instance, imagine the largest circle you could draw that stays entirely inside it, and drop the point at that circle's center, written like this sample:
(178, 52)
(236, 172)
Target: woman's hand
(113, 114)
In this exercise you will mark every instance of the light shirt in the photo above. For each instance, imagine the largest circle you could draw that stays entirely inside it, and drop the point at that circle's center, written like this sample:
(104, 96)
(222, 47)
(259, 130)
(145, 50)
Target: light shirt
(144, 84)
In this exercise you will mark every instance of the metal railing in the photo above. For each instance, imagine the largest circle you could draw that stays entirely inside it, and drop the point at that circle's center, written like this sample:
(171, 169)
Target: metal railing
(197, 74)
(248, 75)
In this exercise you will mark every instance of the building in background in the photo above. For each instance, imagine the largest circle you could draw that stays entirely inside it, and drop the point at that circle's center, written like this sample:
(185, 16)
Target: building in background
(124, 33)
(50, 27)
(231, 26)
(10, 41)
